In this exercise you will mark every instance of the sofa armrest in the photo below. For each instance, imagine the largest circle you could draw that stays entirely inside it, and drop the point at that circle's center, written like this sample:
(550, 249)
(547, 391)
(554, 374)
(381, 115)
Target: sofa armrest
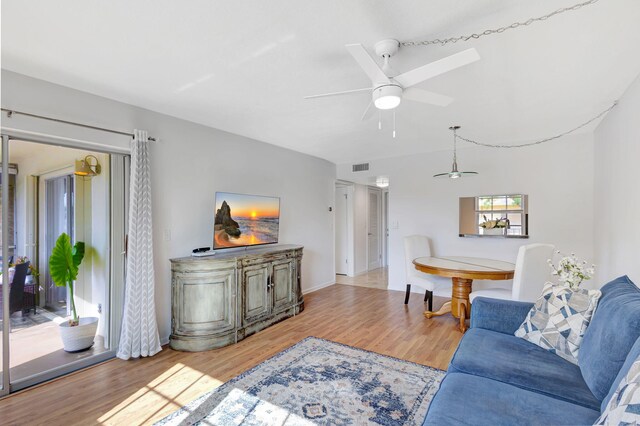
(503, 316)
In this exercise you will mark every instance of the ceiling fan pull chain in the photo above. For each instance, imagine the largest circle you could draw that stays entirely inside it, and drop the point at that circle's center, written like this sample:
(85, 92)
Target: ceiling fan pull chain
(476, 36)
(394, 123)
(379, 119)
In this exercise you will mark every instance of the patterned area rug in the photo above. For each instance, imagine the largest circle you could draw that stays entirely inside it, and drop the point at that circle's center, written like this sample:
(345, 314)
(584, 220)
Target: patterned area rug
(318, 382)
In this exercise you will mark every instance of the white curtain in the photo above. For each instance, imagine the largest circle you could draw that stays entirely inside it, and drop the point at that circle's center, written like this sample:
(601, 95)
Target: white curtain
(139, 336)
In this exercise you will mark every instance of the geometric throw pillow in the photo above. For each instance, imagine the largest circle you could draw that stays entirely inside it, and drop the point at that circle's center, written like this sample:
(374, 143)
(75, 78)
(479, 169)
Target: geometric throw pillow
(624, 407)
(558, 320)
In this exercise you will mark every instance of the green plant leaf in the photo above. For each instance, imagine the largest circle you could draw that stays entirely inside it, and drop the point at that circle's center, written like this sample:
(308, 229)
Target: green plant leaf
(77, 254)
(61, 266)
(64, 263)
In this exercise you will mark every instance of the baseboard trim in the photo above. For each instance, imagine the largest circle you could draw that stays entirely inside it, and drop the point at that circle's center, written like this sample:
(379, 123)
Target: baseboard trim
(318, 287)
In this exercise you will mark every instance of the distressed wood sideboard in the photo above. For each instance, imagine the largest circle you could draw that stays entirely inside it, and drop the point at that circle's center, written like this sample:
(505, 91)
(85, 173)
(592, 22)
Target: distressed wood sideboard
(219, 300)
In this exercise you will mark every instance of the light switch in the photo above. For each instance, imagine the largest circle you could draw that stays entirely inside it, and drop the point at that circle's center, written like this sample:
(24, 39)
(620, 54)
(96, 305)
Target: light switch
(395, 225)
(167, 234)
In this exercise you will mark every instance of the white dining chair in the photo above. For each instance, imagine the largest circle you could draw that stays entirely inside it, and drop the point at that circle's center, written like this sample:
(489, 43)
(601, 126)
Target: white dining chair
(420, 246)
(531, 272)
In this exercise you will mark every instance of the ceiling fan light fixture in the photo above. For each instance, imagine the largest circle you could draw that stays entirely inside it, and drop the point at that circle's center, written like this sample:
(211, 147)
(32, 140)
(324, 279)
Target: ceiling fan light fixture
(387, 97)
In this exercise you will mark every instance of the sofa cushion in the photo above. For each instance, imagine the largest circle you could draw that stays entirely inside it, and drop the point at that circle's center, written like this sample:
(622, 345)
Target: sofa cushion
(559, 319)
(515, 361)
(504, 316)
(634, 354)
(614, 329)
(464, 399)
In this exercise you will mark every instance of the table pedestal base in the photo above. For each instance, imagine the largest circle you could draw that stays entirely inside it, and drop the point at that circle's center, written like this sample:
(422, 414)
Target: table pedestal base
(459, 306)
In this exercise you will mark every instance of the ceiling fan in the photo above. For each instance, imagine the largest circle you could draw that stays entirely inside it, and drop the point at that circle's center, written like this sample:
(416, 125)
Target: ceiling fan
(388, 88)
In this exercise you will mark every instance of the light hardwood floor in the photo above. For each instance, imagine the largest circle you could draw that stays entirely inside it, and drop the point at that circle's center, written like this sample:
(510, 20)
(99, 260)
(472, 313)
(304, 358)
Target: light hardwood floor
(145, 390)
(376, 278)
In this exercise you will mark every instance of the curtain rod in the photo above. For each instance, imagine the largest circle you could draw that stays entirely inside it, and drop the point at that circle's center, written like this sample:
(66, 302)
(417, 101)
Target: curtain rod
(10, 112)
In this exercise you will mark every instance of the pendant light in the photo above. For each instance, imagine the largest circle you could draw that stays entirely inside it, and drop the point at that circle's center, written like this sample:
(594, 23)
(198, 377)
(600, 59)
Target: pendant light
(454, 173)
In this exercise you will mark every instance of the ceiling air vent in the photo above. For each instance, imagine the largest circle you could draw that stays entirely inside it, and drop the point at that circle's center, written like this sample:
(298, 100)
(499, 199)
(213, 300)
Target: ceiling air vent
(360, 167)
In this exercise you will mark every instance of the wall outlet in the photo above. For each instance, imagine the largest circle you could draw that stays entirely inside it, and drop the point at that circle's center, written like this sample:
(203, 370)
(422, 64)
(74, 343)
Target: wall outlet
(99, 308)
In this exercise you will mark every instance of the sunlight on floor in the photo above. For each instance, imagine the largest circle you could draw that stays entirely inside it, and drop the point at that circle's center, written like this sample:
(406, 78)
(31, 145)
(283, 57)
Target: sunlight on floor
(243, 406)
(165, 391)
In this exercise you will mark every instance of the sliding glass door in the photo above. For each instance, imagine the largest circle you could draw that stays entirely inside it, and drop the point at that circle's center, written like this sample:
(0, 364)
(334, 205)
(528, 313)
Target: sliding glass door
(48, 199)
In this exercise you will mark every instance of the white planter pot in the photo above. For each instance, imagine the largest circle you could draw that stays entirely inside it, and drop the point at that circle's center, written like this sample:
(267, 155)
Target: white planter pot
(79, 337)
(493, 231)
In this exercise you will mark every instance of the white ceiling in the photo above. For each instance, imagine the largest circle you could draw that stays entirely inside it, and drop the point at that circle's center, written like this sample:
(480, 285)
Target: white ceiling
(244, 66)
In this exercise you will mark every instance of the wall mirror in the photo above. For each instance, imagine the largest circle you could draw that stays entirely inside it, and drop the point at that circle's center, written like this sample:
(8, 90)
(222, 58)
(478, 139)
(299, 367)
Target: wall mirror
(497, 216)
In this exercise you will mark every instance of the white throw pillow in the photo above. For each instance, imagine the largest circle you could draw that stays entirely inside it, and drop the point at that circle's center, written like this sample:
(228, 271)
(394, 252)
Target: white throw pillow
(624, 406)
(558, 320)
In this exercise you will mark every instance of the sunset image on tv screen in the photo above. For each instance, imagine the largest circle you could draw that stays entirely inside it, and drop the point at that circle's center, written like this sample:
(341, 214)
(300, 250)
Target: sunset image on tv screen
(245, 220)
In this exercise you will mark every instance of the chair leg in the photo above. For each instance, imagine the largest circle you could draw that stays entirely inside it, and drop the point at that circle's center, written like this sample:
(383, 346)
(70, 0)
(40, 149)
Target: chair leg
(406, 296)
(428, 297)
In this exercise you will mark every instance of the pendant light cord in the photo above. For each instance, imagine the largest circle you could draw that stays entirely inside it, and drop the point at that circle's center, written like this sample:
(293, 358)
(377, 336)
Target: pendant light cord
(455, 137)
(499, 30)
(538, 142)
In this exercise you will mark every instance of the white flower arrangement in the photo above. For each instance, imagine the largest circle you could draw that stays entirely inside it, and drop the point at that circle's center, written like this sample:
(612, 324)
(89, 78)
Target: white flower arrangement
(571, 271)
(503, 222)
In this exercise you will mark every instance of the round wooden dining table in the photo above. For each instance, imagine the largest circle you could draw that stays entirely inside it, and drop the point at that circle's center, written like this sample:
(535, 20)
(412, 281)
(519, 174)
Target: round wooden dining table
(462, 271)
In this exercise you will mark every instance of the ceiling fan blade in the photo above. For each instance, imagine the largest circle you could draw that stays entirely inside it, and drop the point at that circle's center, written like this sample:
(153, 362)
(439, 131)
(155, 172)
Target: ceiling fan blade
(368, 112)
(442, 175)
(344, 92)
(418, 75)
(419, 95)
(367, 63)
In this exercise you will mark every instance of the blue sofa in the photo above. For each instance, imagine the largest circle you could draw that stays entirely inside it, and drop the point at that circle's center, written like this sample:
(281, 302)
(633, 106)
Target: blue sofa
(496, 378)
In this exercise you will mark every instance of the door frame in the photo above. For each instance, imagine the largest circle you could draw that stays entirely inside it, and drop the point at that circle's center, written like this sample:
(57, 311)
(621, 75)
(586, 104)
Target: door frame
(43, 260)
(377, 190)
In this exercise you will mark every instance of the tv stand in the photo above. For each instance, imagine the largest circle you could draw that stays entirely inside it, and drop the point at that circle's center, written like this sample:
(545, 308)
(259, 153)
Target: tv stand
(219, 300)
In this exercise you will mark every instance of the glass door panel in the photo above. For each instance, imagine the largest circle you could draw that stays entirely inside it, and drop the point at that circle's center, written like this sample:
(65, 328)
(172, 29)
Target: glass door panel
(52, 200)
(59, 200)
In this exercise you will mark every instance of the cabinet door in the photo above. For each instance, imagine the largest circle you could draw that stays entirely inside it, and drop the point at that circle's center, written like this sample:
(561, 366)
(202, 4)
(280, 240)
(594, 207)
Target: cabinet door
(282, 283)
(204, 302)
(255, 282)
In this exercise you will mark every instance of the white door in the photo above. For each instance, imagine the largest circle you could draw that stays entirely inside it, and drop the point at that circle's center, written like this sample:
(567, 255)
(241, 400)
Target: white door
(374, 229)
(341, 229)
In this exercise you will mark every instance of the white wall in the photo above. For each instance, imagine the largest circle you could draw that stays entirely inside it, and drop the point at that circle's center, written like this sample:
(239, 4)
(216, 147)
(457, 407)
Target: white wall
(617, 193)
(558, 177)
(189, 164)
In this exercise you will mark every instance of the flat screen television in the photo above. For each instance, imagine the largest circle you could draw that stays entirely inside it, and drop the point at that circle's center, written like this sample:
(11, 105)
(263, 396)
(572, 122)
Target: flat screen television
(245, 220)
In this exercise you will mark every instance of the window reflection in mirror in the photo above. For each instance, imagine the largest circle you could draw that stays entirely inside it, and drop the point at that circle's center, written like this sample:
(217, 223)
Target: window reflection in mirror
(494, 215)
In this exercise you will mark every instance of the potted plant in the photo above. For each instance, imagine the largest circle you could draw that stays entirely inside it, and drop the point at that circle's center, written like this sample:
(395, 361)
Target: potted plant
(77, 333)
(494, 227)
